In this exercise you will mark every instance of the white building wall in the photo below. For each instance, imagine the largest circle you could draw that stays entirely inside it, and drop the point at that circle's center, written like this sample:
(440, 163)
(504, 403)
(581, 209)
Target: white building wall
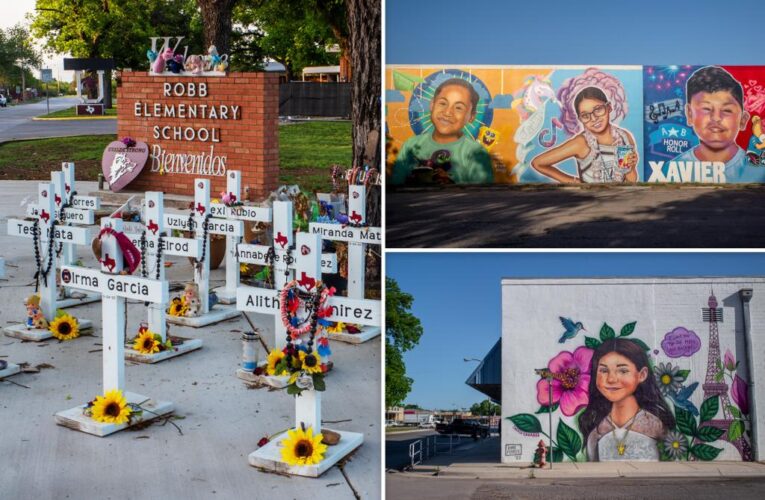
(531, 330)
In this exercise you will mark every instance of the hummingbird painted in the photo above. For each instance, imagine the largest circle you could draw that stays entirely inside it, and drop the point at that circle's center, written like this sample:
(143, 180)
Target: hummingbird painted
(571, 328)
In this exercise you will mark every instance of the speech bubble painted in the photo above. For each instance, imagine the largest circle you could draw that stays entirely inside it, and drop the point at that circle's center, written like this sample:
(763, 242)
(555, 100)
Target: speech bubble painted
(681, 342)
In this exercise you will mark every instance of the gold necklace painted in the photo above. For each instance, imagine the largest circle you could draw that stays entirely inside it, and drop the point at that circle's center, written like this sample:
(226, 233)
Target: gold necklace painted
(621, 446)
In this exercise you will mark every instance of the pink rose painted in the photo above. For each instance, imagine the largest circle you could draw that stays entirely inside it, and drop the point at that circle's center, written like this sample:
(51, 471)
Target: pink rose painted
(571, 381)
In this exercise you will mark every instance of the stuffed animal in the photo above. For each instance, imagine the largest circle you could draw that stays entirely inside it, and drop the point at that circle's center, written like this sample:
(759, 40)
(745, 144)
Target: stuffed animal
(194, 64)
(191, 298)
(175, 65)
(151, 55)
(222, 63)
(35, 317)
(161, 61)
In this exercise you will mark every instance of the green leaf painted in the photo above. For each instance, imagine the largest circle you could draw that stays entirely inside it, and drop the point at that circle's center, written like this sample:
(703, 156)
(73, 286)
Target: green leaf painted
(709, 408)
(642, 344)
(684, 374)
(405, 82)
(591, 342)
(685, 421)
(719, 376)
(526, 422)
(606, 332)
(547, 409)
(568, 440)
(557, 455)
(709, 434)
(628, 329)
(734, 411)
(736, 430)
(705, 452)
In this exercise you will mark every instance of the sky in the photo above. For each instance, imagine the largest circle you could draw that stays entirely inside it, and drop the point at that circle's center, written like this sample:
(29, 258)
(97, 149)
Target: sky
(457, 299)
(574, 32)
(13, 12)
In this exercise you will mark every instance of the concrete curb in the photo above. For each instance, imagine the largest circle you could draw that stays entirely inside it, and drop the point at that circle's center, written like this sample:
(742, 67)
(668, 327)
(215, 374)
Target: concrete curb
(67, 118)
(593, 470)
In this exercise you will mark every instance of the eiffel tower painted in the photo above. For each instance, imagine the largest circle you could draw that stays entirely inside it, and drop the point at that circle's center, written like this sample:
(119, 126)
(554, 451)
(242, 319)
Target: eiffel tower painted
(712, 387)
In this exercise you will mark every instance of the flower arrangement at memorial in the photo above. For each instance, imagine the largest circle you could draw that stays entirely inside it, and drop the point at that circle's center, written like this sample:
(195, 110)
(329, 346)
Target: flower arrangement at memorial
(303, 447)
(112, 408)
(148, 342)
(299, 359)
(64, 327)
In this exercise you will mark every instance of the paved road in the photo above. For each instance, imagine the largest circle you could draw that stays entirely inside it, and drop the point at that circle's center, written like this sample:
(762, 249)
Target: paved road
(626, 217)
(397, 446)
(402, 486)
(16, 122)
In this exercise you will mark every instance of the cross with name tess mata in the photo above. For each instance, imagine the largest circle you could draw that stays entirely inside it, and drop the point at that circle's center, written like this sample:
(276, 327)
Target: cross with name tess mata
(61, 234)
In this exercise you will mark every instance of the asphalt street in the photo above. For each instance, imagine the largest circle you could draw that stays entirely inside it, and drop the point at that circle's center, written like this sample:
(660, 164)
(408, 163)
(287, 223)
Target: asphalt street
(613, 217)
(397, 446)
(402, 487)
(16, 122)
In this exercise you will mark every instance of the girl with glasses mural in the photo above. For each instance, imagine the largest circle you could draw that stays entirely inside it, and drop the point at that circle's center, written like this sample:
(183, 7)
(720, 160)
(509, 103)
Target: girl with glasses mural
(603, 151)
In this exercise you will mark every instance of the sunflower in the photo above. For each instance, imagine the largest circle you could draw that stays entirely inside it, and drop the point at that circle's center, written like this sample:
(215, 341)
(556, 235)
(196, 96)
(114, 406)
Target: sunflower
(338, 327)
(675, 445)
(302, 447)
(273, 359)
(311, 362)
(177, 308)
(668, 378)
(112, 408)
(65, 327)
(145, 343)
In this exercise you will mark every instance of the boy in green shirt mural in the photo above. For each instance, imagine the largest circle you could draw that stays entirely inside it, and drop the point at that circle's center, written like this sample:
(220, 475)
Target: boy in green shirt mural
(453, 156)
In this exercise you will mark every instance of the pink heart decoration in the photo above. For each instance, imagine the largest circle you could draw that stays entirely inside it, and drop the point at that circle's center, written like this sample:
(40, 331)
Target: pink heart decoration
(121, 164)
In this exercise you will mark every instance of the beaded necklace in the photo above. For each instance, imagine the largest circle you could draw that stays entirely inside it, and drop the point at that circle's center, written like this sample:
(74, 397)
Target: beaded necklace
(40, 273)
(315, 306)
(192, 223)
(157, 262)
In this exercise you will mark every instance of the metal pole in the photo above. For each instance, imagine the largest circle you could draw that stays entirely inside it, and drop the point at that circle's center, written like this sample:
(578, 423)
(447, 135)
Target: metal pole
(549, 416)
(746, 295)
(47, 98)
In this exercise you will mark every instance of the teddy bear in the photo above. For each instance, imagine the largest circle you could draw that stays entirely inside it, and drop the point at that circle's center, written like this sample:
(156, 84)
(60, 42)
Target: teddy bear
(175, 65)
(194, 64)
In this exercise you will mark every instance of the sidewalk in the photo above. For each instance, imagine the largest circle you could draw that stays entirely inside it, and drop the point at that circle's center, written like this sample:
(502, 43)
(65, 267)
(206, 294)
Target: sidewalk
(481, 461)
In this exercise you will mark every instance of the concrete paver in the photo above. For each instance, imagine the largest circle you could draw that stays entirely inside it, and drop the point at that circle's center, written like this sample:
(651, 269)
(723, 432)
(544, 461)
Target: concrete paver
(222, 419)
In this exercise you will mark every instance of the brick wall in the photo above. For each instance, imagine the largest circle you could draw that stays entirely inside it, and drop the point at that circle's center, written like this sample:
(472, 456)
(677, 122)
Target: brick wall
(249, 143)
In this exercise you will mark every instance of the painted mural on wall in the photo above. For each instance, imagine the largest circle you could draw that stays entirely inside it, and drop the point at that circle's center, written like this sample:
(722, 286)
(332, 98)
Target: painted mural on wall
(704, 123)
(508, 125)
(616, 399)
(565, 124)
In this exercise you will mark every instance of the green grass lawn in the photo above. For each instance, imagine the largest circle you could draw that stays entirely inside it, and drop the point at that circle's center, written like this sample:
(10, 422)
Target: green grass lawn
(70, 113)
(306, 152)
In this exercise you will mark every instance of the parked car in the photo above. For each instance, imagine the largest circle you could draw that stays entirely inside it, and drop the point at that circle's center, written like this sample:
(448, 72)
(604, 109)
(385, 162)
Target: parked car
(464, 426)
(3, 101)
(427, 425)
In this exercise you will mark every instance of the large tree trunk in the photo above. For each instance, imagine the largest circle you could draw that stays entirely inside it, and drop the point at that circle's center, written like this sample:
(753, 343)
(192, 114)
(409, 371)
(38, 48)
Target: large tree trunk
(365, 52)
(216, 17)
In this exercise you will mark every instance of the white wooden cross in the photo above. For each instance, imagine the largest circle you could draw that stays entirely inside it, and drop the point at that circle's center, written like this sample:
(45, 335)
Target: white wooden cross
(82, 212)
(185, 247)
(358, 238)
(113, 287)
(202, 271)
(63, 234)
(227, 293)
(308, 404)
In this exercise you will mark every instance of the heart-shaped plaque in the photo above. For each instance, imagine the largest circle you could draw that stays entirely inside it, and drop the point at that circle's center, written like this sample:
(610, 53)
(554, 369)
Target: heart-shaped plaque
(121, 164)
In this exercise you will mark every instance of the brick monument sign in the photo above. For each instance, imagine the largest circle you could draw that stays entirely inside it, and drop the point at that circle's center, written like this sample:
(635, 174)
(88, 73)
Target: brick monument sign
(202, 126)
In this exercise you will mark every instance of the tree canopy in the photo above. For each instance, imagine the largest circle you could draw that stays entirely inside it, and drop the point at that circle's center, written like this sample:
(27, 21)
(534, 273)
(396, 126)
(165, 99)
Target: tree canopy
(486, 408)
(16, 49)
(402, 333)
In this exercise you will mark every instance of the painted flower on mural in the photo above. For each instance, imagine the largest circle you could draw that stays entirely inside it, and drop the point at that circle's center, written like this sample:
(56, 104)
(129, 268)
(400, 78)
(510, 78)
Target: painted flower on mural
(669, 378)
(570, 373)
(676, 445)
(730, 361)
(739, 394)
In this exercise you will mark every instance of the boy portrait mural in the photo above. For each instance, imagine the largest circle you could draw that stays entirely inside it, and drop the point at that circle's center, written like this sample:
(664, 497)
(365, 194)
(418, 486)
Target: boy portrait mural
(703, 124)
(512, 125)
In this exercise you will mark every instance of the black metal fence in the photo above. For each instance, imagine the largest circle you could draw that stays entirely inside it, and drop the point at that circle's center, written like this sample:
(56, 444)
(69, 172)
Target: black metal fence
(315, 99)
